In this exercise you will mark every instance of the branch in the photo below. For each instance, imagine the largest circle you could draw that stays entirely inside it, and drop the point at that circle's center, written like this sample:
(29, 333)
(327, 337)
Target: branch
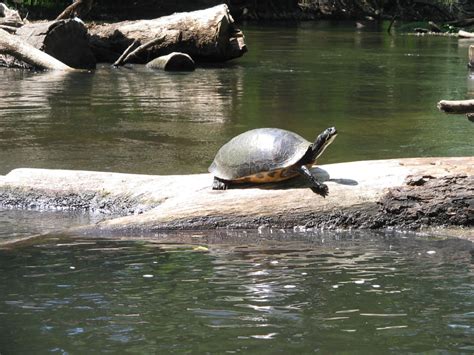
(21, 50)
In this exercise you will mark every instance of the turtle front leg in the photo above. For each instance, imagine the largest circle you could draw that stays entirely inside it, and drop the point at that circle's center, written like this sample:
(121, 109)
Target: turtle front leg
(316, 186)
(218, 184)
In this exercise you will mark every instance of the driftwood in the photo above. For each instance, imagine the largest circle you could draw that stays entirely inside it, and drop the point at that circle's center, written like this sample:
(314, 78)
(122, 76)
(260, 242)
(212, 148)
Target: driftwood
(9, 17)
(205, 35)
(465, 34)
(458, 107)
(173, 62)
(14, 46)
(402, 193)
(65, 40)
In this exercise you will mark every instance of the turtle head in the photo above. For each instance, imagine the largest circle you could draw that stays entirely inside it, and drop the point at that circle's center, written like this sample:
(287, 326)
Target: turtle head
(323, 141)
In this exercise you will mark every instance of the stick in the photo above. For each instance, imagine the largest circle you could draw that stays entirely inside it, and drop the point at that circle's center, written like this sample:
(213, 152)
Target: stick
(119, 61)
(143, 47)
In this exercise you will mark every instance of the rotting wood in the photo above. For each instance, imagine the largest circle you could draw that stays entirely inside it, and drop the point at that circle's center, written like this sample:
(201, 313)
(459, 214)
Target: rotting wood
(404, 193)
(16, 47)
(205, 35)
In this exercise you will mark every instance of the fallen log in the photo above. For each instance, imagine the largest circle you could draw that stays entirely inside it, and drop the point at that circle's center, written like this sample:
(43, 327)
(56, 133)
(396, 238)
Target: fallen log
(205, 35)
(15, 47)
(456, 106)
(173, 62)
(465, 34)
(65, 40)
(402, 193)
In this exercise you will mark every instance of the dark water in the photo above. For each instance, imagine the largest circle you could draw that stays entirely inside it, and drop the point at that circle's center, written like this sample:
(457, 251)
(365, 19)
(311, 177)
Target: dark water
(237, 292)
(285, 293)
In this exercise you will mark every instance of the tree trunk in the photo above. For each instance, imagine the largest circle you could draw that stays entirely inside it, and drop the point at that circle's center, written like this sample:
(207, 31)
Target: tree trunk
(16, 47)
(65, 40)
(205, 35)
(401, 193)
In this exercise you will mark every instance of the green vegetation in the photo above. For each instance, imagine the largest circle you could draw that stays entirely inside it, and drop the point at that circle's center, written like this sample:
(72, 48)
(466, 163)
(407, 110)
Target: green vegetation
(437, 10)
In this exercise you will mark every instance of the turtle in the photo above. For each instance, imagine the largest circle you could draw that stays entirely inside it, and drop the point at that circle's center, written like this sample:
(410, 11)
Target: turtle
(269, 155)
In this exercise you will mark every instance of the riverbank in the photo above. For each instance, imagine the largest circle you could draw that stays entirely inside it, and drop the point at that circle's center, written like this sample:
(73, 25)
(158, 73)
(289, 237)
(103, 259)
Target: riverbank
(406, 194)
(264, 10)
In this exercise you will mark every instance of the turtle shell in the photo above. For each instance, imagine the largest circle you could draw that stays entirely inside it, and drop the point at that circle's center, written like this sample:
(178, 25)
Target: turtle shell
(259, 155)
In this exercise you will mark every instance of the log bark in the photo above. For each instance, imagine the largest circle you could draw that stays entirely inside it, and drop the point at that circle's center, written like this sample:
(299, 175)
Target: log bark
(402, 193)
(65, 40)
(15, 47)
(173, 62)
(205, 35)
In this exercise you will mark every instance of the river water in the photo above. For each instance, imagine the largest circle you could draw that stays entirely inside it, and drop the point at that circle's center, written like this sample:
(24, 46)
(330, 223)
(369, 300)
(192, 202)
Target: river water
(248, 292)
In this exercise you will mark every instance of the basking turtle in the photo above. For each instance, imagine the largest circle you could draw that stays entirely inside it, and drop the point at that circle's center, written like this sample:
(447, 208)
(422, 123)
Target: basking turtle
(268, 155)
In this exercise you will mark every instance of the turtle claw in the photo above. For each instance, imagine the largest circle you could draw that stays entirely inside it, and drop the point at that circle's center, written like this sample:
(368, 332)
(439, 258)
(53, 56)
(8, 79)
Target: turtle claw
(219, 185)
(320, 189)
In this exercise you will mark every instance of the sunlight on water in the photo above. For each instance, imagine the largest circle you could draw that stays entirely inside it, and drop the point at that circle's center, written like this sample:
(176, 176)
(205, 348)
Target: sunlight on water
(326, 292)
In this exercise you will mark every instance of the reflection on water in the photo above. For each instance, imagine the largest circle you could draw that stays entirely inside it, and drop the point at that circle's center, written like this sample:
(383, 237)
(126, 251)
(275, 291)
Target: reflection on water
(237, 292)
(266, 294)
(379, 91)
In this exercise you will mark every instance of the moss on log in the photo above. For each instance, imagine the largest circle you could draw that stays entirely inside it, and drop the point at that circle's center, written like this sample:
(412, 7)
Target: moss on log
(401, 193)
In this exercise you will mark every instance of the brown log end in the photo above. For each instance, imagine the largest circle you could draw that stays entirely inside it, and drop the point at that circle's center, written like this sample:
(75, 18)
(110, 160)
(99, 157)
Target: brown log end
(175, 61)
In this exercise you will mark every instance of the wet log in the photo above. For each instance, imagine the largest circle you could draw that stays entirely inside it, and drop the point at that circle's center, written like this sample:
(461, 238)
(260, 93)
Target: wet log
(456, 106)
(65, 40)
(173, 62)
(205, 35)
(401, 193)
(13, 46)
